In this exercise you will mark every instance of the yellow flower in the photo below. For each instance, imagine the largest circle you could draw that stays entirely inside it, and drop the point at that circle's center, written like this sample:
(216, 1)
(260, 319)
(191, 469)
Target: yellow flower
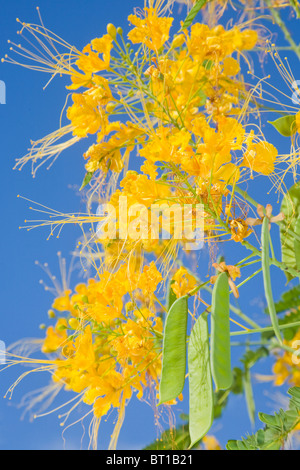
(63, 303)
(183, 283)
(239, 229)
(211, 443)
(153, 31)
(260, 157)
(285, 369)
(149, 279)
(55, 337)
(84, 115)
(107, 155)
(90, 62)
(231, 66)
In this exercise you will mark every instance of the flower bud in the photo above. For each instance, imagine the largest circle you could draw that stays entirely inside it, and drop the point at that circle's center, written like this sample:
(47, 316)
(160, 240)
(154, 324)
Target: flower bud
(120, 31)
(110, 107)
(74, 323)
(111, 30)
(51, 314)
(178, 41)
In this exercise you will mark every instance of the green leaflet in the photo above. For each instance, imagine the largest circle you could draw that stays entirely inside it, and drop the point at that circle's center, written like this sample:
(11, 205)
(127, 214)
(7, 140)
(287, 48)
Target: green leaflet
(297, 244)
(265, 260)
(289, 300)
(192, 14)
(174, 351)
(200, 381)
(291, 208)
(220, 334)
(251, 356)
(285, 125)
(276, 430)
(86, 180)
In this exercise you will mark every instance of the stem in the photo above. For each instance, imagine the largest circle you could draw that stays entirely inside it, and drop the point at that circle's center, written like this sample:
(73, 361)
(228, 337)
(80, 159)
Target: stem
(295, 5)
(262, 330)
(273, 261)
(248, 278)
(279, 21)
(246, 196)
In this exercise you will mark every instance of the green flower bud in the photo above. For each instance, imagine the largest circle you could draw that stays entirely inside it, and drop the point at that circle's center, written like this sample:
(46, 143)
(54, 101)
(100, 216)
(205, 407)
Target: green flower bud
(74, 323)
(111, 30)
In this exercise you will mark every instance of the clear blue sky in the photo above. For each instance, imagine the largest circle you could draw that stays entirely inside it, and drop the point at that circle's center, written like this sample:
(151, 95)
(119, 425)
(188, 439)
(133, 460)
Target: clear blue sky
(31, 113)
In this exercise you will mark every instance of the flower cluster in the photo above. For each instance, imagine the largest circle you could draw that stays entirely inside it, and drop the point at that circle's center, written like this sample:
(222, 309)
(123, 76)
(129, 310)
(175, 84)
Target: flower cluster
(102, 348)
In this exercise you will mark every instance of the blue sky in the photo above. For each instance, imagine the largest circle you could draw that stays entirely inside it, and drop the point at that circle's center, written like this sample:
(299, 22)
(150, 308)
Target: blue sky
(31, 113)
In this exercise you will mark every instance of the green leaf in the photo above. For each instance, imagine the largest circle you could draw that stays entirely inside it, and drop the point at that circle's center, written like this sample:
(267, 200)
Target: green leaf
(285, 125)
(289, 300)
(220, 334)
(265, 260)
(237, 384)
(232, 445)
(252, 356)
(270, 420)
(201, 395)
(277, 429)
(192, 14)
(289, 318)
(291, 209)
(295, 393)
(174, 351)
(86, 180)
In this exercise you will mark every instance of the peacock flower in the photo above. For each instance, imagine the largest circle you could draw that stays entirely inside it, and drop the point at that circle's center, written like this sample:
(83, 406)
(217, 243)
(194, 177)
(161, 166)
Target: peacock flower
(232, 272)
(267, 212)
(153, 30)
(183, 282)
(259, 157)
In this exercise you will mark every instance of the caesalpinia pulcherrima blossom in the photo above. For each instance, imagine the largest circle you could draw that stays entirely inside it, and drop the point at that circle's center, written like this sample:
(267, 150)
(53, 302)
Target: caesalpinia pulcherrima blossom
(176, 103)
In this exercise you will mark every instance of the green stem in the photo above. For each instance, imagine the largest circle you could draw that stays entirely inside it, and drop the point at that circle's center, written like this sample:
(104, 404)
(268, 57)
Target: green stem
(273, 261)
(246, 196)
(248, 278)
(263, 330)
(265, 262)
(279, 21)
(295, 5)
